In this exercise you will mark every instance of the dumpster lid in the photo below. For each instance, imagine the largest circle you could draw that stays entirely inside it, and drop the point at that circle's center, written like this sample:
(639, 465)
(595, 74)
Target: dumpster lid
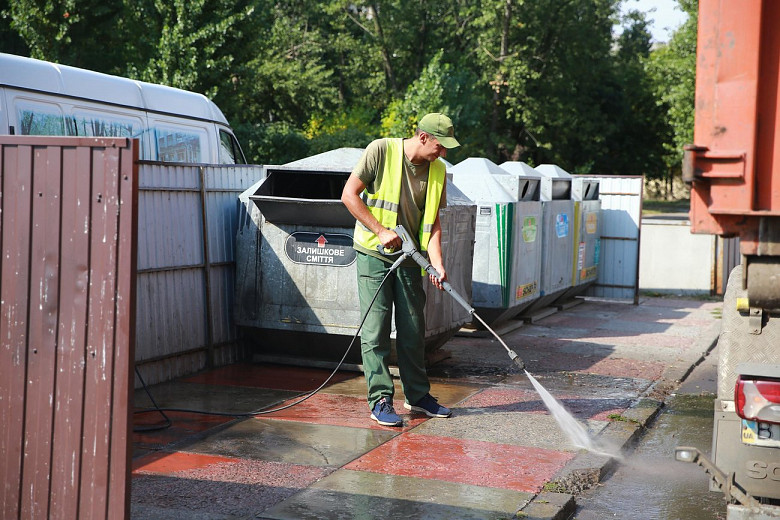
(526, 181)
(552, 171)
(584, 187)
(338, 160)
(455, 197)
(520, 168)
(308, 191)
(556, 182)
(476, 178)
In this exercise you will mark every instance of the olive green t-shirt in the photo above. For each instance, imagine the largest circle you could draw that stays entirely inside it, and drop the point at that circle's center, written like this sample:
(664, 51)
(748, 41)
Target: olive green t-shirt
(414, 187)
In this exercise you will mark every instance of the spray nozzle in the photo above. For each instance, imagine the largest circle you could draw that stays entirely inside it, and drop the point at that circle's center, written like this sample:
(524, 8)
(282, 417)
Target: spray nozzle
(514, 357)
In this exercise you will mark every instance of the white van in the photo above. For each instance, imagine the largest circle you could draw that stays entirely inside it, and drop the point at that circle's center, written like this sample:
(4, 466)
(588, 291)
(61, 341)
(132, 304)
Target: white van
(173, 125)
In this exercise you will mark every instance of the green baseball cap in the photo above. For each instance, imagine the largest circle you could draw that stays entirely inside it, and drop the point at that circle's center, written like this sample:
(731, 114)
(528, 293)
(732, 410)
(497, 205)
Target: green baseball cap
(440, 127)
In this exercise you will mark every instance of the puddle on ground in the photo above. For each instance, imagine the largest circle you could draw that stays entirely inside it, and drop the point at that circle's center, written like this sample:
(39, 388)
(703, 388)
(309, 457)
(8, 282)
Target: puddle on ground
(651, 481)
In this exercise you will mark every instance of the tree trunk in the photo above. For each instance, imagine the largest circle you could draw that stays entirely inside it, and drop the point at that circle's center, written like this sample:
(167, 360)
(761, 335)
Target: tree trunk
(500, 78)
(383, 47)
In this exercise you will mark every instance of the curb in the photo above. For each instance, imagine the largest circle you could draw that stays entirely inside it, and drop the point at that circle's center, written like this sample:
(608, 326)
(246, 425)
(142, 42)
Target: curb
(548, 506)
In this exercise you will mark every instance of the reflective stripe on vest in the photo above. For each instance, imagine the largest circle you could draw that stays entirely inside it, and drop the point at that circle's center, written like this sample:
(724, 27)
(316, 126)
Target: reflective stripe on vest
(383, 204)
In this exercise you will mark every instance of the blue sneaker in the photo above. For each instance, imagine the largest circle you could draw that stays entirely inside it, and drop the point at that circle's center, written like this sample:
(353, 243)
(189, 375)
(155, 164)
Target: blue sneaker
(429, 406)
(384, 414)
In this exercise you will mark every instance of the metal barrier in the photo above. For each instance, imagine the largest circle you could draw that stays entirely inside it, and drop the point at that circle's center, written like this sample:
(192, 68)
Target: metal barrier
(188, 218)
(68, 209)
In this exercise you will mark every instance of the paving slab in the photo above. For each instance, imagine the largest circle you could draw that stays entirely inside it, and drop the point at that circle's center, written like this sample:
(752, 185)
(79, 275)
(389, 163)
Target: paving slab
(538, 430)
(225, 489)
(293, 442)
(466, 461)
(348, 494)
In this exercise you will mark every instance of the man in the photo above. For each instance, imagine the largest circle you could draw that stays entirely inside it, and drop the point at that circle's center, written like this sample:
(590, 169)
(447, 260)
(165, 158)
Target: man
(398, 181)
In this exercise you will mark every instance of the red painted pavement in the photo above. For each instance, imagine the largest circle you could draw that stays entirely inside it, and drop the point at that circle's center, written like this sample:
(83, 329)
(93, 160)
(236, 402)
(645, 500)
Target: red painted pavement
(340, 410)
(169, 463)
(464, 461)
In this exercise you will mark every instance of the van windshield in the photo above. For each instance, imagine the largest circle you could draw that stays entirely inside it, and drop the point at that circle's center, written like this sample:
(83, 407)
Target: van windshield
(229, 150)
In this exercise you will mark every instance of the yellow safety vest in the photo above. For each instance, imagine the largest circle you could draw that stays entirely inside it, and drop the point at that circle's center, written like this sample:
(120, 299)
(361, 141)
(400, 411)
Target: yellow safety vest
(384, 203)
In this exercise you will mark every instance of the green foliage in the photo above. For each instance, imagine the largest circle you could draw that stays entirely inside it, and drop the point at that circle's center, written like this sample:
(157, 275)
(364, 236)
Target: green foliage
(271, 143)
(672, 70)
(538, 81)
(444, 88)
(639, 117)
(354, 128)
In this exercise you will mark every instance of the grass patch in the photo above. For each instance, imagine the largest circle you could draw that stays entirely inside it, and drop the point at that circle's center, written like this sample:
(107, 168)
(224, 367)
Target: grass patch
(657, 207)
(621, 418)
(701, 297)
(554, 487)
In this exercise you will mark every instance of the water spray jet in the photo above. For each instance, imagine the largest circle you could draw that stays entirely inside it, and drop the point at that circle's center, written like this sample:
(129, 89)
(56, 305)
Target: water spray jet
(576, 432)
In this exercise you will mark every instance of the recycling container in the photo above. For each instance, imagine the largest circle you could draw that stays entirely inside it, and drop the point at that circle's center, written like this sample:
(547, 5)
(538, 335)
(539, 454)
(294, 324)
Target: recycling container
(586, 236)
(507, 256)
(526, 188)
(557, 243)
(296, 290)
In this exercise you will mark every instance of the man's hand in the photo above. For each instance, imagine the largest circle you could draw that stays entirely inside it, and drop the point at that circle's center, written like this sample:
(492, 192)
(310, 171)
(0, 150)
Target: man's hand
(442, 277)
(389, 239)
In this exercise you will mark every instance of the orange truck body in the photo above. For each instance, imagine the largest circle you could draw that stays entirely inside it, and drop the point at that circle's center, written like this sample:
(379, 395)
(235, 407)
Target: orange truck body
(736, 151)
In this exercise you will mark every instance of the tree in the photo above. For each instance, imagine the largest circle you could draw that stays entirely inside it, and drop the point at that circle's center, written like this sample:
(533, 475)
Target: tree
(10, 40)
(673, 71)
(440, 88)
(640, 122)
(557, 70)
(539, 81)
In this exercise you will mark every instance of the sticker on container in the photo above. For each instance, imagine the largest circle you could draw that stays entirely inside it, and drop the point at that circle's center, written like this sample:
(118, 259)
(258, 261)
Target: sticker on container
(523, 291)
(591, 222)
(581, 255)
(562, 225)
(331, 249)
(529, 229)
(485, 210)
(588, 273)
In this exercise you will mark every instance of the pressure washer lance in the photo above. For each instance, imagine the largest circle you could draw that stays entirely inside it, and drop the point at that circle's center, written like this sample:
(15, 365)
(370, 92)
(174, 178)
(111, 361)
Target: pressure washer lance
(409, 251)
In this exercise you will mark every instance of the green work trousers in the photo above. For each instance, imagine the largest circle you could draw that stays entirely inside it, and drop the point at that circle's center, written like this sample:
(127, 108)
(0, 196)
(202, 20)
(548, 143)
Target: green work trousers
(404, 290)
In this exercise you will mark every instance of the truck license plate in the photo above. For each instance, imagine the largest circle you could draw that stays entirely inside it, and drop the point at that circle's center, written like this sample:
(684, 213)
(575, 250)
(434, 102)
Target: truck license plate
(760, 433)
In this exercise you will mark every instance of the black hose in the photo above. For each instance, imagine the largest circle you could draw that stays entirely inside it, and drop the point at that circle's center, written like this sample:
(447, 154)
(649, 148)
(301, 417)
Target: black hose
(261, 411)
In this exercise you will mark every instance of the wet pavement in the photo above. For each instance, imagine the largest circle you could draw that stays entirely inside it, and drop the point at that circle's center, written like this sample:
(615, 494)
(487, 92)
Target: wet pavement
(501, 453)
(650, 480)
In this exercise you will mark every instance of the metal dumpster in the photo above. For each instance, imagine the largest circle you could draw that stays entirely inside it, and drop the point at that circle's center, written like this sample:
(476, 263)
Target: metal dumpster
(527, 190)
(586, 235)
(507, 259)
(296, 282)
(557, 243)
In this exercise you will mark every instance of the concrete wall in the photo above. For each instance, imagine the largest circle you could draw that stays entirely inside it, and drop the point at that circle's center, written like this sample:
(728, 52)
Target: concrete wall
(672, 260)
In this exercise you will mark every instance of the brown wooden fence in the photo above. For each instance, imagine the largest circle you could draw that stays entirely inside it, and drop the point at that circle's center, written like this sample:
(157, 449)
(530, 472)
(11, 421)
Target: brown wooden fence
(67, 231)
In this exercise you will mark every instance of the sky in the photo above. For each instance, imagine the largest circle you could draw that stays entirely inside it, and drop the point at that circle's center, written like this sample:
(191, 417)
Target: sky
(664, 16)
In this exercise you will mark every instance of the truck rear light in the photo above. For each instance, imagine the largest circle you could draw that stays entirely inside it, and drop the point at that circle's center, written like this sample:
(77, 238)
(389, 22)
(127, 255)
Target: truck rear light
(758, 399)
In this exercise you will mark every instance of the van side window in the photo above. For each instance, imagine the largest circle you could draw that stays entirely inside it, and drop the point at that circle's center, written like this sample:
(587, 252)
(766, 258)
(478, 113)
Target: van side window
(40, 119)
(100, 124)
(180, 145)
(105, 125)
(229, 151)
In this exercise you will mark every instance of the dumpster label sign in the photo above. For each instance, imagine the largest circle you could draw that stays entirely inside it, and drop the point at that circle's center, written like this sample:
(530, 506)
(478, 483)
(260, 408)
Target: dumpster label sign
(591, 222)
(333, 249)
(562, 225)
(529, 229)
